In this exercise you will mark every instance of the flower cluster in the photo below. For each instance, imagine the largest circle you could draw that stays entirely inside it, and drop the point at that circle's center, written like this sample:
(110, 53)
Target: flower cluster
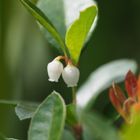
(124, 104)
(70, 73)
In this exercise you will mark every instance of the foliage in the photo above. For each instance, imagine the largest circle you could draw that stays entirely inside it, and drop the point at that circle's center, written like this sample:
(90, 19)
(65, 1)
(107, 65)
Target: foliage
(48, 118)
(131, 131)
(77, 32)
(52, 119)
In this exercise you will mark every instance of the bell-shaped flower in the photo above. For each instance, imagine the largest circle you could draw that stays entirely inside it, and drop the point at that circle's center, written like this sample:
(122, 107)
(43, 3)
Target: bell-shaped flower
(54, 69)
(71, 75)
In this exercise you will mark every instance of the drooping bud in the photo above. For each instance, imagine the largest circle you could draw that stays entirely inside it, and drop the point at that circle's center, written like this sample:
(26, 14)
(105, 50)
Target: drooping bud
(71, 75)
(54, 69)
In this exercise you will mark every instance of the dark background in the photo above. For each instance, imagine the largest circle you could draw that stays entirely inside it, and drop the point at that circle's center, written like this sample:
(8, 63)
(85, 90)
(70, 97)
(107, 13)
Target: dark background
(24, 54)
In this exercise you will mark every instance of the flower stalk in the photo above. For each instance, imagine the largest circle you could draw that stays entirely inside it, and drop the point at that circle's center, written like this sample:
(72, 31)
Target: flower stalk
(74, 95)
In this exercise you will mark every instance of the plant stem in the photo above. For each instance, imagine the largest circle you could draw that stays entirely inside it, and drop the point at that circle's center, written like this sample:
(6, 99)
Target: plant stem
(74, 95)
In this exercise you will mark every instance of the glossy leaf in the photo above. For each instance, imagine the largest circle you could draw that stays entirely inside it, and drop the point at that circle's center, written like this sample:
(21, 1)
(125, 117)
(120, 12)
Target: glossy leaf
(25, 110)
(64, 13)
(102, 79)
(95, 127)
(78, 32)
(45, 22)
(48, 120)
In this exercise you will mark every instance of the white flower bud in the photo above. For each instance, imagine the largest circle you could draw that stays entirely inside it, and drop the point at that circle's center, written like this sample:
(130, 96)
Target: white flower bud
(71, 75)
(54, 69)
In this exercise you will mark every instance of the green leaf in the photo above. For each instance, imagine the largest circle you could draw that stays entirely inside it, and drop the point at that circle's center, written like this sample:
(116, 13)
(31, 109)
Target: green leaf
(47, 7)
(71, 118)
(45, 22)
(9, 103)
(48, 120)
(97, 128)
(132, 131)
(78, 32)
(102, 79)
(25, 110)
(10, 139)
(2, 137)
(68, 11)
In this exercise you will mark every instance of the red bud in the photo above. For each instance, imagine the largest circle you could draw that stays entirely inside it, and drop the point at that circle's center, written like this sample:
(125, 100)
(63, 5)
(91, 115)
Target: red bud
(131, 84)
(138, 89)
(119, 94)
(114, 100)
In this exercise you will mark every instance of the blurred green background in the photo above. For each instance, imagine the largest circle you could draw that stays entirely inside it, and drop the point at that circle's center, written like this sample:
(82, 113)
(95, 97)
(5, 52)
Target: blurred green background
(24, 54)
